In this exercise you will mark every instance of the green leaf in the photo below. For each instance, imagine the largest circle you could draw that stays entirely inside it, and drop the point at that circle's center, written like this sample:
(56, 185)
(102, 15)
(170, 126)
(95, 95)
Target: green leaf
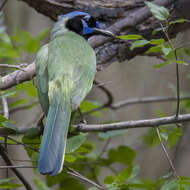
(178, 21)
(170, 185)
(181, 62)
(122, 154)
(159, 12)
(42, 35)
(17, 103)
(124, 175)
(8, 93)
(93, 188)
(157, 66)
(130, 37)
(32, 142)
(2, 118)
(109, 179)
(32, 133)
(139, 43)
(86, 106)
(151, 138)
(64, 181)
(157, 41)
(40, 185)
(28, 87)
(8, 184)
(70, 158)
(166, 50)
(154, 49)
(174, 136)
(10, 124)
(8, 51)
(110, 134)
(75, 142)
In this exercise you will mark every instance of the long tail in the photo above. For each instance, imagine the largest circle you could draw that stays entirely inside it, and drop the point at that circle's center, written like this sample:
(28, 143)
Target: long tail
(53, 144)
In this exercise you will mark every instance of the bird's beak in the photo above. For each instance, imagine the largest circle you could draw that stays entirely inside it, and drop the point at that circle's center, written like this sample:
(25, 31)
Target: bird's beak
(104, 32)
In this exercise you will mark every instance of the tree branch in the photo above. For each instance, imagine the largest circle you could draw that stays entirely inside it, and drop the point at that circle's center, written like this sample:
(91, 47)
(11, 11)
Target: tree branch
(108, 50)
(17, 77)
(143, 100)
(131, 124)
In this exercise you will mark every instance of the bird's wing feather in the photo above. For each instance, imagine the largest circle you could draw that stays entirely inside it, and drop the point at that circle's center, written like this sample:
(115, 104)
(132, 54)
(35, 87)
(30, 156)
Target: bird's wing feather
(42, 77)
(53, 144)
(73, 57)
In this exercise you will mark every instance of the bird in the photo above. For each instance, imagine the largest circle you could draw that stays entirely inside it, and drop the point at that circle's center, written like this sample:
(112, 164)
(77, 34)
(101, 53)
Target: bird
(65, 70)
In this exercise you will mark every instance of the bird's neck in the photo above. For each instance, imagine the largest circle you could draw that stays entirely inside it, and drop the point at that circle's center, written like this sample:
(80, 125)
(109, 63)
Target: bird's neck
(59, 29)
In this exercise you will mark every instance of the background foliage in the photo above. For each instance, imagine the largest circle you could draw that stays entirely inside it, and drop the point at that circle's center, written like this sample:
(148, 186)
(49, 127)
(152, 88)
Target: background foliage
(82, 153)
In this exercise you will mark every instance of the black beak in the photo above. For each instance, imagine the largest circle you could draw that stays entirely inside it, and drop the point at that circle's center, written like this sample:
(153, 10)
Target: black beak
(104, 32)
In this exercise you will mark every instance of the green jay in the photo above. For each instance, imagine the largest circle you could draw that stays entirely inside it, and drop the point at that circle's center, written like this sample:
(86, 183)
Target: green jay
(65, 70)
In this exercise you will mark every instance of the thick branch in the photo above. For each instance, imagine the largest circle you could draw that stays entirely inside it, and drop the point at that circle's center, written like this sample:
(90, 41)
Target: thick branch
(133, 124)
(17, 77)
(113, 126)
(108, 50)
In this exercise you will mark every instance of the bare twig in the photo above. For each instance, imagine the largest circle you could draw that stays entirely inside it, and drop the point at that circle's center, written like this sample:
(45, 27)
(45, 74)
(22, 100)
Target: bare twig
(21, 166)
(178, 85)
(17, 173)
(131, 124)
(79, 176)
(177, 69)
(24, 106)
(153, 99)
(27, 146)
(104, 148)
(12, 66)
(165, 151)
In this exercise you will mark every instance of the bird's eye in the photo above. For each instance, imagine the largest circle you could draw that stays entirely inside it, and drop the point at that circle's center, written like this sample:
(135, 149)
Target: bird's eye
(90, 21)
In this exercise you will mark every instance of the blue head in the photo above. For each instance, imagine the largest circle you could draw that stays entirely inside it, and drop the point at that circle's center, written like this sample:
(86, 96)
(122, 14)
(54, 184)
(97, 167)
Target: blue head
(83, 23)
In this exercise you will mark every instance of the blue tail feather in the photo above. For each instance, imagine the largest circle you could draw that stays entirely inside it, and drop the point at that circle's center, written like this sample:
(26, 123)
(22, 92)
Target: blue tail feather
(53, 144)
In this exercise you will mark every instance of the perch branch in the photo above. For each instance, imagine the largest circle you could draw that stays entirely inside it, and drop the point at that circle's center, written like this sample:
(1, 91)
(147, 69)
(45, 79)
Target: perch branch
(131, 124)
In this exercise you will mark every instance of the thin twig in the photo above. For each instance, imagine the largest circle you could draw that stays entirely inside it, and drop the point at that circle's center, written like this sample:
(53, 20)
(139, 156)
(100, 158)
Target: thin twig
(24, 106)
(17, 173)
(79, 176)
(178, 85)
(104, 147)
(21, 166)
(166, 153)
(12, 66)
(27, 146)
(151, 99)
(177, 70)
(17, 160)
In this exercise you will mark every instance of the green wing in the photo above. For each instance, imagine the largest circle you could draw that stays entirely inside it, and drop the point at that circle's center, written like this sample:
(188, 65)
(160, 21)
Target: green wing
(74, 59)
(42, 77)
